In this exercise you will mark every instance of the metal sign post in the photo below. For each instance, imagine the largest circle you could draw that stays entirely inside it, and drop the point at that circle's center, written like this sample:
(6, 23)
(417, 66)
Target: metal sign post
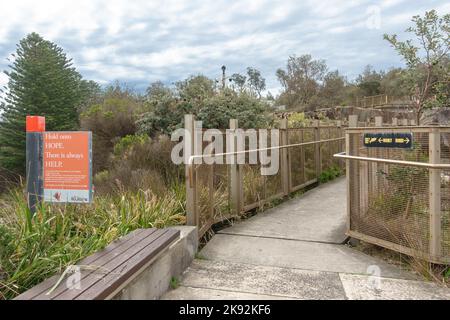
(35, 126)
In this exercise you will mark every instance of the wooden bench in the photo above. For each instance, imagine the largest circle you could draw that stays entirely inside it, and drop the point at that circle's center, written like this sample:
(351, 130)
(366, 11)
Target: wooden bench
(105, 273)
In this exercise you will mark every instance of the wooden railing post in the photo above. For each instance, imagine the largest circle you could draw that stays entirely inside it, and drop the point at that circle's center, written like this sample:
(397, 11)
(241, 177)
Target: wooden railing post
(190, 176)
(350, 149)
(318, 159)
(236, 181)
(435, 195)
(378, 121)
(284, 163)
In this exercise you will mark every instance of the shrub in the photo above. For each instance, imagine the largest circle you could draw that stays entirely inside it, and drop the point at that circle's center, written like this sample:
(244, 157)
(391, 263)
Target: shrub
(298, 120)
(109, 121)
(140, 163)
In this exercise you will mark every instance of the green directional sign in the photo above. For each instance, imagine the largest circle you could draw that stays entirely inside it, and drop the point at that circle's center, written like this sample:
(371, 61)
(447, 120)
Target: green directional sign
(388, 140)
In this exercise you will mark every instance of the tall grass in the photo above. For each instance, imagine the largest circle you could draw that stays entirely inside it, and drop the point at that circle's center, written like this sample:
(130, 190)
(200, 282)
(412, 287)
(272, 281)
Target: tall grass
(33, 248)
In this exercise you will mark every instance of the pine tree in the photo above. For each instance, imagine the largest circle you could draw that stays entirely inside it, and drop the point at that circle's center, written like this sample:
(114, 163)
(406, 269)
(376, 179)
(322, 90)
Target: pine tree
(42, 81)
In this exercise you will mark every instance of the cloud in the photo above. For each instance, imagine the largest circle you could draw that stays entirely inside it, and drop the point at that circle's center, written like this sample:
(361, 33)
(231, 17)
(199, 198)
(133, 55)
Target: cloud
(142, 41)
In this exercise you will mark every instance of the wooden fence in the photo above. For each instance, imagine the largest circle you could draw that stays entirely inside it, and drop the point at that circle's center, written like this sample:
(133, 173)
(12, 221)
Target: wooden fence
(219, 192)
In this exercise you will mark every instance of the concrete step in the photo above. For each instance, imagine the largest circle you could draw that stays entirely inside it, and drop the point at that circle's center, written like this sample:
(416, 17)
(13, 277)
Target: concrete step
(219, 280)
(190, 293)
(359, 287)
(237, 280)
(296, 255)
(318, 215)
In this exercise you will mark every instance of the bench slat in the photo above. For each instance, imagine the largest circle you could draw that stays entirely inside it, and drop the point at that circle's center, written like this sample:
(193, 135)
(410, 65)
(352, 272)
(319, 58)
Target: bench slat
(43, 287)
(102, 261)
(108, 285)
(112, 264)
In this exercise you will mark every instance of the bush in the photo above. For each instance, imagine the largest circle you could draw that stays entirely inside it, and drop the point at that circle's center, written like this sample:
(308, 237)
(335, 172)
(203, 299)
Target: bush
(298, 120)
(109, 121)
(140, 163)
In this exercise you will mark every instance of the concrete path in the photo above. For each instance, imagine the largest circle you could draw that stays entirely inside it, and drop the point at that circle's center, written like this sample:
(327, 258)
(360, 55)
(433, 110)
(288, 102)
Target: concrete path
(296, 251)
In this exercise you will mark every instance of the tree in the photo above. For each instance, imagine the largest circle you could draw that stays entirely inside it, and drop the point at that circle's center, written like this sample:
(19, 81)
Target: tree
(195, 89)
(369, 82)
(239, 81)
(332, 90)
(256, 82)
(42, 81)
(424, 56)
(157, 91)
(393, 83)
(217, 111)
(301, 79)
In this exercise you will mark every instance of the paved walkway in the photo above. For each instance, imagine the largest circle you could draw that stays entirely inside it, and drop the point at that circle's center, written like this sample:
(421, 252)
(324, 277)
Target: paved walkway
(296, 251)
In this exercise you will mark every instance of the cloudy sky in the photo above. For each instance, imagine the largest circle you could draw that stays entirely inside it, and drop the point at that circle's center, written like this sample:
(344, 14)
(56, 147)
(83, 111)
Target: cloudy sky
(142, 41)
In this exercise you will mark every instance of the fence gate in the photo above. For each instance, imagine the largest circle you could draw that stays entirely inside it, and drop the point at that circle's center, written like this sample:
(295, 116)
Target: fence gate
(398, 181)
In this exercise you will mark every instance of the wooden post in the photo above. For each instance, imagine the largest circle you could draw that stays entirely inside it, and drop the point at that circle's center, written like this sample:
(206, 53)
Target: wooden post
(394, 122)
(373, 183)
(237, 189)
(435, 195)
(318, 159)
(284, 163)
(340, 145)
(378, 121)
(350, 149)
(190, 176)
(353, 121)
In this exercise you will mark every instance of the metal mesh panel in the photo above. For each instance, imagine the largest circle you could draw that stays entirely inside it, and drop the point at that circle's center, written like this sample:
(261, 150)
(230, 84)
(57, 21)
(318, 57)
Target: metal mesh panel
(325, 150)
(258, 188)
(296, 158)
(204, 194)
(391, 202)
(445, 195)
(310, 156)
(221, 196)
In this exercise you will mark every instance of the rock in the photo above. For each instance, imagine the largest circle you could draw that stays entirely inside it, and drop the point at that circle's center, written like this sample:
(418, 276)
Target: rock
(436, 116)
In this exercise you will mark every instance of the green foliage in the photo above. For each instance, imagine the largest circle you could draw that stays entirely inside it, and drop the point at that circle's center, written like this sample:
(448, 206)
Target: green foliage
(42, 81)
(424, 56)
(196, 95)
(109, 120)
(300, 80)
(174, 283)
(298, 120)
(330, 174)
(34, 249)
(217, 111)
(140, 163)
(128, 141)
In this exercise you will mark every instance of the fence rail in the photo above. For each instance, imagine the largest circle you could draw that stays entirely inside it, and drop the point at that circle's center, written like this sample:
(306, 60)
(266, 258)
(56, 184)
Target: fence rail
(218, 192)
(381, 100)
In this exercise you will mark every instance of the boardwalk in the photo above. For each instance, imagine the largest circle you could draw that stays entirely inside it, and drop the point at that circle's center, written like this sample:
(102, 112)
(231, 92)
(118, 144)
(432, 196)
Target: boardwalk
(296, 251)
